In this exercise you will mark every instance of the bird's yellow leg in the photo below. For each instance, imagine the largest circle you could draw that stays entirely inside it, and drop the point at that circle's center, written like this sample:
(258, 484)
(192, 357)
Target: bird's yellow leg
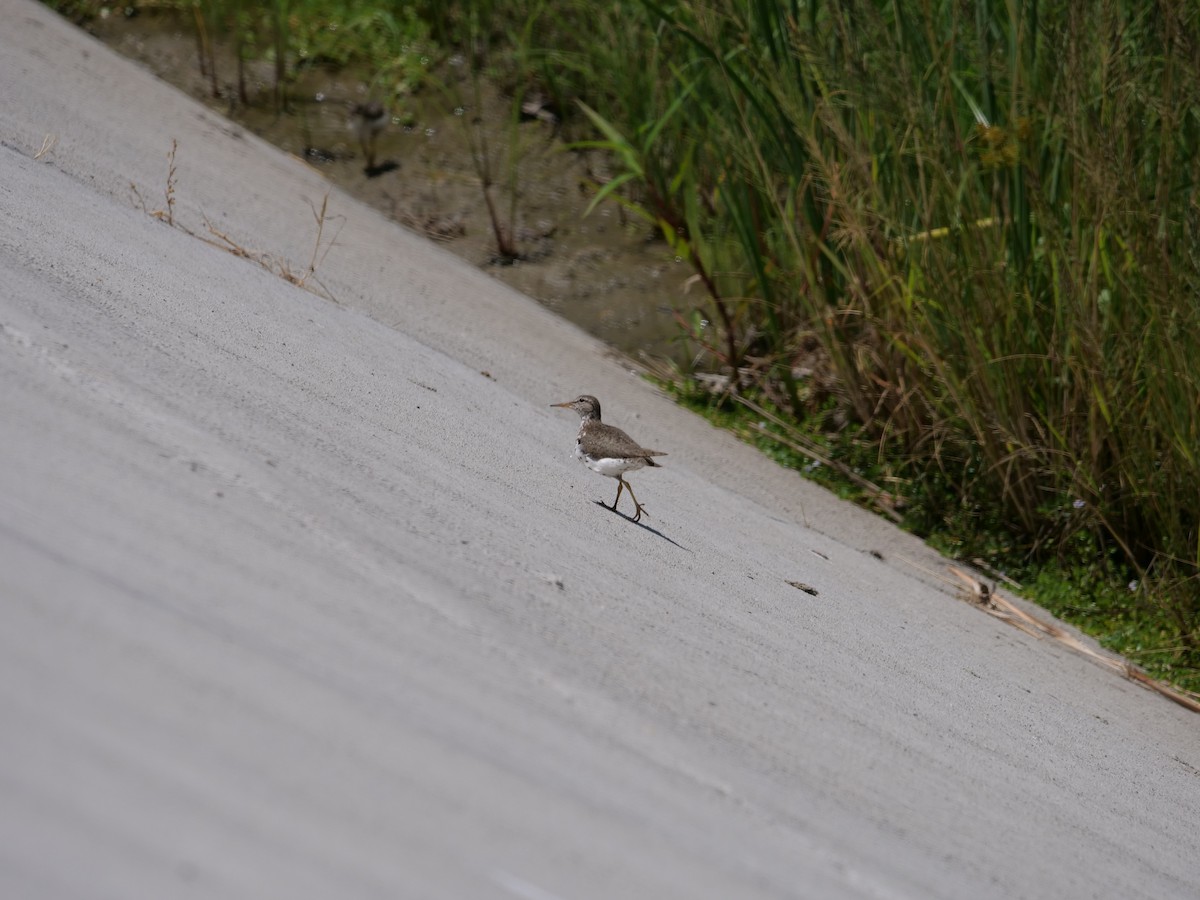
(621, 485)
(637, 506)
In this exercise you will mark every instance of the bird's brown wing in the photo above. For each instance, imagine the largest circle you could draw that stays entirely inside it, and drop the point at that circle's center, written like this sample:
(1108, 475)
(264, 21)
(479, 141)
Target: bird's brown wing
(627, 447)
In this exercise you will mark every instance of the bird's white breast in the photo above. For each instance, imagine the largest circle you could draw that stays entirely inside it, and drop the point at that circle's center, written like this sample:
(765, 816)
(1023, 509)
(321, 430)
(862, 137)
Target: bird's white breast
(613, 468)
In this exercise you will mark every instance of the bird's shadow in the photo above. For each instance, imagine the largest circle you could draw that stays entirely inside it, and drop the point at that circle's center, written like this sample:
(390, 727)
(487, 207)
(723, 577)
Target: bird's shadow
(653, 531)
(382, 169)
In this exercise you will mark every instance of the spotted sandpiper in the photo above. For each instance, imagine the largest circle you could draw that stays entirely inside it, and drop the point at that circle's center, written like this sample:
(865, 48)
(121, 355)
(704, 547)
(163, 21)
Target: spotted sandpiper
(372, 118)
(608, 450)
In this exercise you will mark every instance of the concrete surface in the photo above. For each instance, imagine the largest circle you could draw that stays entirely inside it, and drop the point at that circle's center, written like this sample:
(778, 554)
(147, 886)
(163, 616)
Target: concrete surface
(297, 602)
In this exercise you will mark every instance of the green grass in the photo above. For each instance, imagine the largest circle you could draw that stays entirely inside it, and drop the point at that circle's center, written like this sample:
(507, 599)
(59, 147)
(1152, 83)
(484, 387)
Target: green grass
(390, 41)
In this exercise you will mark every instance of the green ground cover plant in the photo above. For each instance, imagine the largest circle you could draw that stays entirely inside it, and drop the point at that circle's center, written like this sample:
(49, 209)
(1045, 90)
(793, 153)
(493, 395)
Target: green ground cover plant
(389, 40)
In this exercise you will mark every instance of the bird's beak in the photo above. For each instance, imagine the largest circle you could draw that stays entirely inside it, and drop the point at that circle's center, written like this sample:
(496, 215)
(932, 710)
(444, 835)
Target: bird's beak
(552, 405)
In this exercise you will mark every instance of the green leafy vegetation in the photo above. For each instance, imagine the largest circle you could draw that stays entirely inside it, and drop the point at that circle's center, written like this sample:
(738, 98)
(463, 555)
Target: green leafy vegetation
(390, 41)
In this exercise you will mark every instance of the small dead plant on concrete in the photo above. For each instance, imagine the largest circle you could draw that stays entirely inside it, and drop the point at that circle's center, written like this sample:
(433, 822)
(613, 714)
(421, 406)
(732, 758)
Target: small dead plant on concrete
(163, 215)
(48, 143)
(215, 237)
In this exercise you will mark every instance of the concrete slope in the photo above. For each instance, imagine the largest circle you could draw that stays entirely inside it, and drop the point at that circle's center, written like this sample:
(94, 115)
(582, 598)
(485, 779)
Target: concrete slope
(298, 602)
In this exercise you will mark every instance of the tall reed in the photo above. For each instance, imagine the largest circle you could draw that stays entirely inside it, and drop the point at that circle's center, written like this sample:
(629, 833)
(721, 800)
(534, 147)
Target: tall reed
(986, 215)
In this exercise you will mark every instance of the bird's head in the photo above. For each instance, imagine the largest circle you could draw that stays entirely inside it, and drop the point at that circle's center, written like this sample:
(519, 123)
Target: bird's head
(586, 405)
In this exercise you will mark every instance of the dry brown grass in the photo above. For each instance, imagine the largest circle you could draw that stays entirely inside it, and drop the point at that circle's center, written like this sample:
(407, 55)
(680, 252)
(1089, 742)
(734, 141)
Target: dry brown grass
(306, 278)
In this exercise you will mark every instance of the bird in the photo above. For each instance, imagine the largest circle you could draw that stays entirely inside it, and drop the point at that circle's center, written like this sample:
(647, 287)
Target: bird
(608, 450)
(372, 118)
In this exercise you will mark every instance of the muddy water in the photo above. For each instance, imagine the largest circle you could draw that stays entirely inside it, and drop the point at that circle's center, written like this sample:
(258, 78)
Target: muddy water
(606, 273)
